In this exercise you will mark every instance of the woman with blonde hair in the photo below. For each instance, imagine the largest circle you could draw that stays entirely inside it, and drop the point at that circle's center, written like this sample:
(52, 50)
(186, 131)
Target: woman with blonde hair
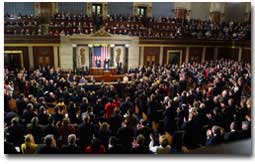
(29, 147)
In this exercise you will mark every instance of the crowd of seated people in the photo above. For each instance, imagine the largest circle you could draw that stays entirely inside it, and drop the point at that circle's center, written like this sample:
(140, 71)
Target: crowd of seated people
(149, 27)
(162, 110)
(68, 24)
(167, 27)
(22, 25)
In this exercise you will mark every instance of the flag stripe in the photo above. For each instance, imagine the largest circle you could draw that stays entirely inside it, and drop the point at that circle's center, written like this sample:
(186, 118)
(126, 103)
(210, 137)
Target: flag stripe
(100, 53)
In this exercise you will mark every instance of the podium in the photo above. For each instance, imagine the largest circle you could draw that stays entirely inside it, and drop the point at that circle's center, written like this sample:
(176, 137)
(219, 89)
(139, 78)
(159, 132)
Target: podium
(101, 71)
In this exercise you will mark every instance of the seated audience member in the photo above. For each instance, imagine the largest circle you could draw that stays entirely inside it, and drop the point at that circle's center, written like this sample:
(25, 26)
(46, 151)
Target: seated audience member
(163, 148)
(51, 128)
(234, 133)
(104, 134)
(114, 147)
(49, 146)
(29, 147)
(246, 130)
(215, 136)
(15, 132)
(95, 147)
(71, 147)
(9, 147)
(140, 147)
(65, 129)
(35, 129)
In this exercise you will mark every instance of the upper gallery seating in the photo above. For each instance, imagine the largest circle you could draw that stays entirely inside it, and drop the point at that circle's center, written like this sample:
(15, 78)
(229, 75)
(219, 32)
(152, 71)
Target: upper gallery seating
(149, 27)
(22, 25)
(68, 24)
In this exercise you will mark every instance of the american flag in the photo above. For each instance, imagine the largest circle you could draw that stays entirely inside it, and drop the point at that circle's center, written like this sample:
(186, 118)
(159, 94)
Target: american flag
(100, 53)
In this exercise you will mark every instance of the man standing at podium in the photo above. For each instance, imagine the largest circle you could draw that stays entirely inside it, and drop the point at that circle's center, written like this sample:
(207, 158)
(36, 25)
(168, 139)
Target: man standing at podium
(106, 64)
(98, 62)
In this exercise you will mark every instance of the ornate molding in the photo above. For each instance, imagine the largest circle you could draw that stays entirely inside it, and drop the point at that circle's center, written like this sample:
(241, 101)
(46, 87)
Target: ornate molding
(101, 32)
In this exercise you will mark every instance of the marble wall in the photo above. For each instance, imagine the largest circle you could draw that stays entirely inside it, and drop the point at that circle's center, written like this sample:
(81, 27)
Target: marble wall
(66, 56)
(67, 43)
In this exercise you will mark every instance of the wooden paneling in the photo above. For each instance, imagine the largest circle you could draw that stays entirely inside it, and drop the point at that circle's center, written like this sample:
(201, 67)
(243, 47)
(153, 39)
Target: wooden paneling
(183, 49)
(195, 54)
(11, 39)
(191, 42)
(228, 53)
(43, 56)
(46, 9)
(209, 54)
(151, 53)
(246, 55)
(25, 54)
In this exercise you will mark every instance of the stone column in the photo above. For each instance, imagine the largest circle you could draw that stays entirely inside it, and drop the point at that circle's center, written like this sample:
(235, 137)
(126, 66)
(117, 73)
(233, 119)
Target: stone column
(104, 9)
(31, 57)
(161, 55)
(141, 56)
(215, 53)
(182, 9)
(126, 58)
(89, 9)
(240, 54)
(203, 55)
(55, 55)
(90, 56)
(74, 56)
(112, 55)
(217, 11)
(247, 13)
(187, 55)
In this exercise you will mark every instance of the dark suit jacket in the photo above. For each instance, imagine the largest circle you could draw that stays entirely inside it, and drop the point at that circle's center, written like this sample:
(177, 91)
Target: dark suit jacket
(215, 140)
(71, 149)
(48, 150)
(232, 136)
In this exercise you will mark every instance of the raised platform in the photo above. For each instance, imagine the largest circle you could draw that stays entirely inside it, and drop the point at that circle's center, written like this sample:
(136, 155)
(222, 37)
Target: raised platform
(101, 71)
(107, 77)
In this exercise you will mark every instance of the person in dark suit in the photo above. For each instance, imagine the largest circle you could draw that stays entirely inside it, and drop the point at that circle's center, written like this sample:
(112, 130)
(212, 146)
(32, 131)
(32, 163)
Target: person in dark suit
(126, 134)
(234, 133)
(246, 130)
(85, 132)
(21, 104)
(9, 147)
(49, 146)
(115, 121)
(169, 118)
(71, 147)
(141, 147)
(192, 130)
(216, 137)
(16, 132)
(50, 128)
(114, 147)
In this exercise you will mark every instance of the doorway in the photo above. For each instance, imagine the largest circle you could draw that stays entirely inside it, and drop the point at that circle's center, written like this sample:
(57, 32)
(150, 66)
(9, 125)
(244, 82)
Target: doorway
(96, 9)
(174, 57)
(13, 59)
(142, 11)
(150, 60)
